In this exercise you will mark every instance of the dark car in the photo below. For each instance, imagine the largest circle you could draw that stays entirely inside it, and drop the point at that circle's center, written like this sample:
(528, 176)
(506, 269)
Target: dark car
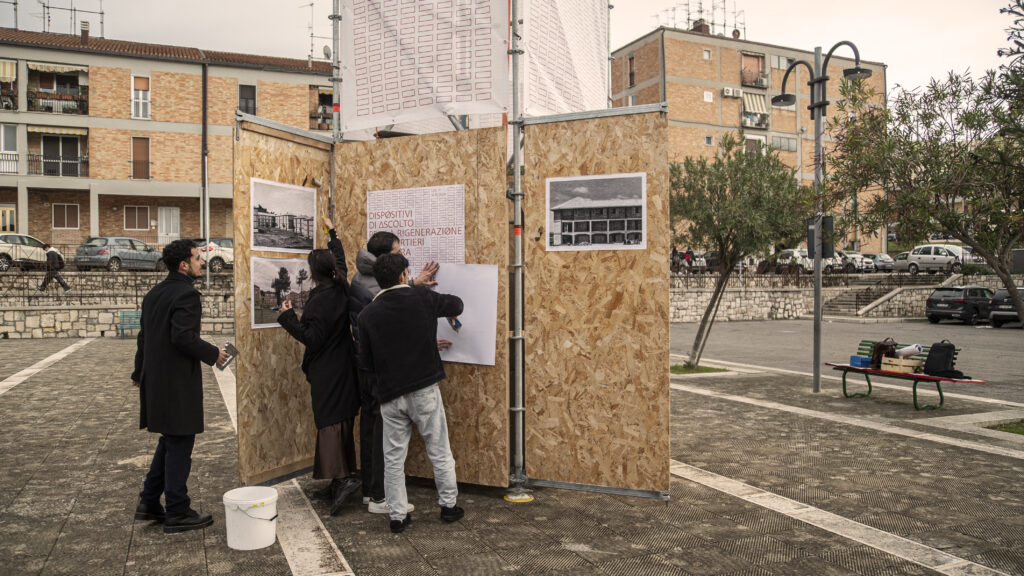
(1001, 308)
(116, 253)
(967, 303)
(883, 262)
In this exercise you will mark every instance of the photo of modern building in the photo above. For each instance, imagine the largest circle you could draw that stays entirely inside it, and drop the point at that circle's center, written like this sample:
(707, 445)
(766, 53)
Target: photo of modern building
(596, 212)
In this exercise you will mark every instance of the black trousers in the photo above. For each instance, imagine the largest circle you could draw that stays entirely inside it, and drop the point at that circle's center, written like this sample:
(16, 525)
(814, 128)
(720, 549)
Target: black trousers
(50, 275)
(371, 435)
(168, 474)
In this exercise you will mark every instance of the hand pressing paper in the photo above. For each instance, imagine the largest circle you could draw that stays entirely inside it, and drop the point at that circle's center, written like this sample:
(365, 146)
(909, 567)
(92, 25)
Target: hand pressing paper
(472, 334)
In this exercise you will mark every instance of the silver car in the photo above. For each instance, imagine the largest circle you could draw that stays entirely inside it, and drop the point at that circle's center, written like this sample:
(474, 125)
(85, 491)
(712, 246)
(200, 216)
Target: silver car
(932, 258)
(117, 253)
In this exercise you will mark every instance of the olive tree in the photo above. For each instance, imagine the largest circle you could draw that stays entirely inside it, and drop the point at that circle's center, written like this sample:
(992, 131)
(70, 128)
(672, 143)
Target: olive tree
(738, 203)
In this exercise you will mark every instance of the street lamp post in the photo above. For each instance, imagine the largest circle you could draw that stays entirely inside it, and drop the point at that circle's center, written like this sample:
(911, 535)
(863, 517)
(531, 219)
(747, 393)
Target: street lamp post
(819, 107)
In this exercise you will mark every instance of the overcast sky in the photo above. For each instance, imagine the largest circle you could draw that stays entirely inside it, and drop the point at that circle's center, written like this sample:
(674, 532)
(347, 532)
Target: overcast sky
(917, 39)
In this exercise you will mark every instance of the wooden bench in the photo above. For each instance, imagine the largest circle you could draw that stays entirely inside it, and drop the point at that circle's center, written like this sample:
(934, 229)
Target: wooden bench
(867, 347)
(129, 320)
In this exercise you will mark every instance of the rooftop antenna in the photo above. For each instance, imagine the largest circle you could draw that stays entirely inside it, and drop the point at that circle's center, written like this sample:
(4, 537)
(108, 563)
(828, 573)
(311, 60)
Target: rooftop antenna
(739, 23)
(48, 8)
(313, 37)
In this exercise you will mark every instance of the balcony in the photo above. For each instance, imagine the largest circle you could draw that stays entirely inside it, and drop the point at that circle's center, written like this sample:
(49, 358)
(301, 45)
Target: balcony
(70, 166)
(752, 120)
(8, 96)
(754, 77)
(321, 118)
(62, 100)
(8, 162)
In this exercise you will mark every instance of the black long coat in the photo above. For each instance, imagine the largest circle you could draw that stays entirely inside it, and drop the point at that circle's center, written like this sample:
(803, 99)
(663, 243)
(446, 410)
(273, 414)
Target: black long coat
(329, 359)
(168, 356)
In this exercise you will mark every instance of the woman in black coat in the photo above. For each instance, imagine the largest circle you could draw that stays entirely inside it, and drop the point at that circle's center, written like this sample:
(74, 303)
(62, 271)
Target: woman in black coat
(329, 365)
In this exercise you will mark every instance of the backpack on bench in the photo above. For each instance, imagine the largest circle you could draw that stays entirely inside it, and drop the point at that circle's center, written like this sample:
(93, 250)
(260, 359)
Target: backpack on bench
(940, 361)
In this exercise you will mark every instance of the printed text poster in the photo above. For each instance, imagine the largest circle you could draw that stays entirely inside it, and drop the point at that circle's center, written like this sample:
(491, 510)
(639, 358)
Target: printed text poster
(430, 222)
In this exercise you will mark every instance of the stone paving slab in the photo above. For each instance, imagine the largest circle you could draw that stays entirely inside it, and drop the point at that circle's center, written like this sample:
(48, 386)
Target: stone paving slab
(73, 461)
(16, 355)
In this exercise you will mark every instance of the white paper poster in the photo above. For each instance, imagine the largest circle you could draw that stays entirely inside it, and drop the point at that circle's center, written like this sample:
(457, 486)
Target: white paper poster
(477, 285)
(409, 60)
(430, 222)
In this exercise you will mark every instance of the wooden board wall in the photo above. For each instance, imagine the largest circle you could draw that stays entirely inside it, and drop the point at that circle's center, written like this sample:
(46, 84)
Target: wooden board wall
(597, 332)
(476, 398)
(275, 418)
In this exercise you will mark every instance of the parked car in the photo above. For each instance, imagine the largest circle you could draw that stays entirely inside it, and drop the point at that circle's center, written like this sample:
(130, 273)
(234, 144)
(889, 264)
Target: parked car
(794, 258)
(1001, 308)
(855, 262)
(219, 254)
(932, 258)
(117, 253)
(21, 250)
(901, 263)
(883, 262)
(963, 253)
(967, 303)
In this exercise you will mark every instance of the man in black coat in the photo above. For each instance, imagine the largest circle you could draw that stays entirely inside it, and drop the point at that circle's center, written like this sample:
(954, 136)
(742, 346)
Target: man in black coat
(170, 382)
(54, 264)
(398, 339)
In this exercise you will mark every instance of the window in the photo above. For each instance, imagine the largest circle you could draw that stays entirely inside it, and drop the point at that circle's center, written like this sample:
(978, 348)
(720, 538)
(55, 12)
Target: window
(136, 217)
(140, 97)
(707, 54)
(65, 216)
(8, 149)
(754, 143)
(47, 81)
(140, 159)
(709, 141)
(751, 70)
(632, 99)
(780, 62)
(247, 98)
(631, 66)
(709, 96)
(783, 144)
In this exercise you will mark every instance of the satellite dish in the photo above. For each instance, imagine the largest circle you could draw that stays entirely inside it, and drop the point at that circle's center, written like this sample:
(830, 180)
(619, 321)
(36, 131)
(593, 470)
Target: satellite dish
(327, 52)
(736, 33)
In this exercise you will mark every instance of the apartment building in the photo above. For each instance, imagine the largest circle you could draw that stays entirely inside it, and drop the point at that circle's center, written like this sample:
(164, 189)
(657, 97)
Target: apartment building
(106, 137)
(716, 84)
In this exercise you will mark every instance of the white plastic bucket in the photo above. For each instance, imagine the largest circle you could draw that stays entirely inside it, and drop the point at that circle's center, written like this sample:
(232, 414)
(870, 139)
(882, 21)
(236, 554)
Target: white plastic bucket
(250, 514)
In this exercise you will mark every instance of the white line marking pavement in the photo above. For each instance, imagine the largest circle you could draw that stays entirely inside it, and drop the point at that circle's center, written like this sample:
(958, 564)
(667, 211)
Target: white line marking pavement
(890, 543)
(876, 384)
(305, 541)
(881, 427)
(12, 381)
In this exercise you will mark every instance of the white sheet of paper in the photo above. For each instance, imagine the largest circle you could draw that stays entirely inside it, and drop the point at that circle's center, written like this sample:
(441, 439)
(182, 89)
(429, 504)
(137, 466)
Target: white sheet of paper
(477, 285)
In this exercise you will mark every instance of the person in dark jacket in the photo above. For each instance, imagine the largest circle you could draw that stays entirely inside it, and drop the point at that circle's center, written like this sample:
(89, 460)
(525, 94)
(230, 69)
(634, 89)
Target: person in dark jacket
(54, 262)
(398, 338)
(330, 368)
(170, 382)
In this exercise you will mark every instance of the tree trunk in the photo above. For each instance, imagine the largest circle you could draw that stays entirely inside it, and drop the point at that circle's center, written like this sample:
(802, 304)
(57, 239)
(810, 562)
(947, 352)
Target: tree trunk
(1003, 272)
(709, 318)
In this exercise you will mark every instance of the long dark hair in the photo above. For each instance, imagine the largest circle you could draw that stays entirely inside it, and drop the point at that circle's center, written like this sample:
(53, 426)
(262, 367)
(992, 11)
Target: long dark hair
(322, 265)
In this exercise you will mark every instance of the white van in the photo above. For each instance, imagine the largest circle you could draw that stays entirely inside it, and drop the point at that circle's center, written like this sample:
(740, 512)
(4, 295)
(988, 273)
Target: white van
(932, 258)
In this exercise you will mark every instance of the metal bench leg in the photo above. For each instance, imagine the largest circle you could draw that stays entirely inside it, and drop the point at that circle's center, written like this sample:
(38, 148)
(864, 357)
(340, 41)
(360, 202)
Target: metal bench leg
(858, 394)
(942, 399)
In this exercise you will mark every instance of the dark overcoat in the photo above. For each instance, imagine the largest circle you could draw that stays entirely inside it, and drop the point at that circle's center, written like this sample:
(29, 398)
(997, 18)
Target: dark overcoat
(329, 358)
(168, 356)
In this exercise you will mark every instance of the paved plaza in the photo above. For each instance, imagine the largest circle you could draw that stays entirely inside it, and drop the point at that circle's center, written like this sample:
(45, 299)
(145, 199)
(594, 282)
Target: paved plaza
(767, 478)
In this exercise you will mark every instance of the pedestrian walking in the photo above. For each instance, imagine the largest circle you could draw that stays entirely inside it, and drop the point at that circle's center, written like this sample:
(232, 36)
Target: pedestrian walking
(398, 338)
(330, 368)
(54, 264)
(170, 382)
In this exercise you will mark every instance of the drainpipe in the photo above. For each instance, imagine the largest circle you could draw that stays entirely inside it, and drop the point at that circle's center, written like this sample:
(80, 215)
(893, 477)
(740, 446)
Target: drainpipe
(205, 167)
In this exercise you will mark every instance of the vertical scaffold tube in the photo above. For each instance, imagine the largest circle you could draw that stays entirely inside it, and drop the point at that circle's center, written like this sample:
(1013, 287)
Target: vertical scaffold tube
(518, 457)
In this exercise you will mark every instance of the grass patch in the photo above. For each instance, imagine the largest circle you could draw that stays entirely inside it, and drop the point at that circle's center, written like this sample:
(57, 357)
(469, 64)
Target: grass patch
(1013, 427)
(681, 369)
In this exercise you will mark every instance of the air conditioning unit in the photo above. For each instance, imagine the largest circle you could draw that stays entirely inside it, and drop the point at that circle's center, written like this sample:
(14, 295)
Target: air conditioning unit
(737, 93)
(762, 80)
(727, 91)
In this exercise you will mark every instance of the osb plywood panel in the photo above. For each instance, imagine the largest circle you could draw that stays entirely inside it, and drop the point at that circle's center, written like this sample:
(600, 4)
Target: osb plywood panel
(476, 398)
(597, 332)
(275, 419)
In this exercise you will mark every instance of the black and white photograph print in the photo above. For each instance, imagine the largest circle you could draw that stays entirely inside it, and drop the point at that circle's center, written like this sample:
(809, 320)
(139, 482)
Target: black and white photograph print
(275, 280)
(606, 212)
(283, 217)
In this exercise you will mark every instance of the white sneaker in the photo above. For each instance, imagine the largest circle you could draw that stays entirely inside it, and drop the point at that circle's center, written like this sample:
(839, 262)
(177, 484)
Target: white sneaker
(383, 508)
(366, 500)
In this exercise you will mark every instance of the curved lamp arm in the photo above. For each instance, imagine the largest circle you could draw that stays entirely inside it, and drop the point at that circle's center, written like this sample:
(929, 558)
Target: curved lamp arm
(810, 71)
(856, 55)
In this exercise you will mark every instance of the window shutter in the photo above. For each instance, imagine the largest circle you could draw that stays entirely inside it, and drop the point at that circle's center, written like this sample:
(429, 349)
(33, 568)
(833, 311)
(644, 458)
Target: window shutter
(141, 83)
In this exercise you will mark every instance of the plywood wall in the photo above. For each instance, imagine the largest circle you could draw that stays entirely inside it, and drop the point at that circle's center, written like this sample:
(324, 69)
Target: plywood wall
(476, 398)
(597, 333)
(275, 419)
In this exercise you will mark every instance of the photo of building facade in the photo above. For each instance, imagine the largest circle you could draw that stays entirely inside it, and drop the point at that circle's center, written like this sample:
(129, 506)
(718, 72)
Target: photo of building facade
(101, 137)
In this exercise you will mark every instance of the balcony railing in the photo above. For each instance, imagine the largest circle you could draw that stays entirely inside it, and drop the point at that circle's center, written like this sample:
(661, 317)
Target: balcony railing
(8, 97)
(8, 162)
(59, 101)
(141, 169)
(752, 120)
(72, 166)
(755, 78)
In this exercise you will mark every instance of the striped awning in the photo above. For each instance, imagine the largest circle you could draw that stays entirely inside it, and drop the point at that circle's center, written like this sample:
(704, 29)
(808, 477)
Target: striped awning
(754, 103)
(59, 130)
(8, 70)
(323, 90)
(56, 68)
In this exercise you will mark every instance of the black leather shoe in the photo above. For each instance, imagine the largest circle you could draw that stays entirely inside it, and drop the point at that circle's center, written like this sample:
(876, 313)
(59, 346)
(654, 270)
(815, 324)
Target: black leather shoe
(190, 521)
(452, 514)
(347, 487)
(146, 511)
(397, 526)
(327, 492)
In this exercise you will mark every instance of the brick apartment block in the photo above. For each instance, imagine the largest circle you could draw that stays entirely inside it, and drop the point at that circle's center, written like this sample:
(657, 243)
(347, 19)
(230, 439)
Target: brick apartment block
(102, 137)
(693, 71)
